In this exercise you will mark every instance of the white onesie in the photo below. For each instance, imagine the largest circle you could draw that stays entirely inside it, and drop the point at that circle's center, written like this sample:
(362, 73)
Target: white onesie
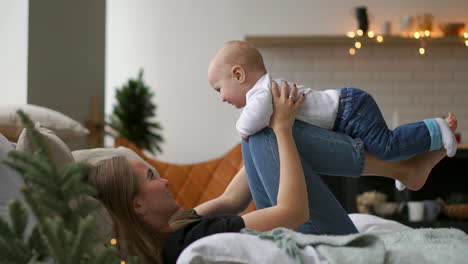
(319, 107)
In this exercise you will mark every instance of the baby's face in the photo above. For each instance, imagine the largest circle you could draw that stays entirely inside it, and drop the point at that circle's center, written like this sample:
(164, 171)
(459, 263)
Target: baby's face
(229, 88)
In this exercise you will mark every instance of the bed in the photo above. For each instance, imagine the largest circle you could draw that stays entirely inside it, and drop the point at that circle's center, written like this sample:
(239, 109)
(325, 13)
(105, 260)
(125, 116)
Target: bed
(379, 241)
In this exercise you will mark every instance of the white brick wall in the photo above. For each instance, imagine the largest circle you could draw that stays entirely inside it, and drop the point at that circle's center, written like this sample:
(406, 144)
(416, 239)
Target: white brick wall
(407, 86)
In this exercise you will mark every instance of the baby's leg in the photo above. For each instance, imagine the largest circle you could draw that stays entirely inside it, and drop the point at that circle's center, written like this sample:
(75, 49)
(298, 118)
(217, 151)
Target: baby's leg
(449, 143)
(412, 173)
(359, 116)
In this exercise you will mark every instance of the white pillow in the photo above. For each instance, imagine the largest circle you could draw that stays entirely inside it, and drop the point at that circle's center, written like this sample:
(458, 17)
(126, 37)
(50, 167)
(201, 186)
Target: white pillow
(372, 224)
(65, 127)
(58, 150)
(96, 155)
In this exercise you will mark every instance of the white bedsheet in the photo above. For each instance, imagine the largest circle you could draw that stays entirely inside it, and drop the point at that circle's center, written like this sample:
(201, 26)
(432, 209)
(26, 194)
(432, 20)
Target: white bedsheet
(230, 248)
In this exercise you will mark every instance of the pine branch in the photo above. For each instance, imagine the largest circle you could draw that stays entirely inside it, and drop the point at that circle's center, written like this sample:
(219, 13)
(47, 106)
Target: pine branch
(19, 217)
(109, 256)
(5, 231)
(50, 232)
(23, 162)
(41, 148)
(12, 251)
(83, 239)
(37, 244)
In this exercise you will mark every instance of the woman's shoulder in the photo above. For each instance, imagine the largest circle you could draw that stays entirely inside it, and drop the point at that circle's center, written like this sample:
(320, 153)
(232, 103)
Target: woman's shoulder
(204, 226)
(208, 225)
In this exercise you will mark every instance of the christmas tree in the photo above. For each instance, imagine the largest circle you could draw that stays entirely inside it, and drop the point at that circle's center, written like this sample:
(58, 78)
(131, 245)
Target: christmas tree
(130, 116)
(63, 233)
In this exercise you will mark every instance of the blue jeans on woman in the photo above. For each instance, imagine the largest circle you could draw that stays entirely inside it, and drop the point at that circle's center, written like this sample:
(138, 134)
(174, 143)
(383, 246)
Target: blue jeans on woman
(360, 117)
(322, 152)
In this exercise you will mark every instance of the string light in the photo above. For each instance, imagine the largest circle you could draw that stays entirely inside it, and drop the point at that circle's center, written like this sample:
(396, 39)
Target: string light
(113, 241)
(351, 34)
(422, 35)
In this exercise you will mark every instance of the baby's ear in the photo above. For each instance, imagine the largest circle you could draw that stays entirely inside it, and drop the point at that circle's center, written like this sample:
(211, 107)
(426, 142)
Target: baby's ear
(238, 72)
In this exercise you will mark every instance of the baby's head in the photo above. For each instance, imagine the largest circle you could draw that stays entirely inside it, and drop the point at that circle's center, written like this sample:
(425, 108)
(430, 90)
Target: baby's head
(234, 70)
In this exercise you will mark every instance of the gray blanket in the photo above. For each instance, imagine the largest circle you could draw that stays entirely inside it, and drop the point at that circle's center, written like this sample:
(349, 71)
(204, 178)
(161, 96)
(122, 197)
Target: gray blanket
(440, 245)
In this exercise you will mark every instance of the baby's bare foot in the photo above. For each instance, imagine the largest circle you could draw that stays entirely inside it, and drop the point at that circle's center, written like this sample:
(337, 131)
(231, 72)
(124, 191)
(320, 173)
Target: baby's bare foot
(417, 169)
(452, 121)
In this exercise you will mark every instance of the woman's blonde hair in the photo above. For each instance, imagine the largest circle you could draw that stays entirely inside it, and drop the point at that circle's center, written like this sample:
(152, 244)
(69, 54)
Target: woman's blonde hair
(117, 186)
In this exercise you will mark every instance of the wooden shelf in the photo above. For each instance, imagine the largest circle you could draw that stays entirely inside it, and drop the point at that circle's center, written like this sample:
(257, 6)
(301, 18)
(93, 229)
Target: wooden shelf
(303, 40)
(463, 146)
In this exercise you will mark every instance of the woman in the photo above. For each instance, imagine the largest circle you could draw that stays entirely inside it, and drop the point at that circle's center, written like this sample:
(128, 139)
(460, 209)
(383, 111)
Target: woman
(150, 224)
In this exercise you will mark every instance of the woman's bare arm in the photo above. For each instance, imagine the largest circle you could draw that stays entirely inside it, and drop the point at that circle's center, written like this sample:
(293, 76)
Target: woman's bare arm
(235, 199)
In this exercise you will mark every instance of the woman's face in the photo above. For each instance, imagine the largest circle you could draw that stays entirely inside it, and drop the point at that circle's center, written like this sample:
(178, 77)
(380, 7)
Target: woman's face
(153, 198)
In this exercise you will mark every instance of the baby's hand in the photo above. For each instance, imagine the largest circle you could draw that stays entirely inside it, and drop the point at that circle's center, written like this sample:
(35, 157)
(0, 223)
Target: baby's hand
(284, 106)
(246, 139)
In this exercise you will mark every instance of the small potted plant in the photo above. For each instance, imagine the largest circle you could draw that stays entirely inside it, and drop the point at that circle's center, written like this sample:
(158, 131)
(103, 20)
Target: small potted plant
(131, 116)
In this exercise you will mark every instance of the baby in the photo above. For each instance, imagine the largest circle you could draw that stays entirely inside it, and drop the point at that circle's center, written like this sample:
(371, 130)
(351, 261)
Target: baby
(238, 73)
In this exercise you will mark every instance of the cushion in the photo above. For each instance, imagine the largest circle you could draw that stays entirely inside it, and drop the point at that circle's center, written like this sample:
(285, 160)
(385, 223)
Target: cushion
(366, 223)
(59, 151)
(245, 248)
(96, 155)
(10, 184)
(65, 127)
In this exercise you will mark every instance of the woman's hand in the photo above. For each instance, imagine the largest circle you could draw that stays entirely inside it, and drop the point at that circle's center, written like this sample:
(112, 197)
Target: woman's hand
(284, 106)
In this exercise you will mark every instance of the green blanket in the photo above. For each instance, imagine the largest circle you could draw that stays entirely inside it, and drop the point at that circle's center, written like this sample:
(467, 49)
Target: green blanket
(440, 245)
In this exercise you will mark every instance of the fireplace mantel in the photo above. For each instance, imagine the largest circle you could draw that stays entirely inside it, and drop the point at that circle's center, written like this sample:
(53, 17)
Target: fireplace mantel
(304, 40)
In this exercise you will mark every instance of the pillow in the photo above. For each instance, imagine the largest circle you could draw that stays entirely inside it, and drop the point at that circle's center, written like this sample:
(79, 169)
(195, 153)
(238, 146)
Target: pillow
(96, 155)
(61, 156)
(10, 184)
(58, 150)
(65, 127)
(372, 224)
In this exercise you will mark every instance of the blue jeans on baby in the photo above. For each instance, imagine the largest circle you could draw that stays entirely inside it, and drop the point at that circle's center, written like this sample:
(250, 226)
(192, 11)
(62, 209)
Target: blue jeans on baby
(359, 117)
(322, 152)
